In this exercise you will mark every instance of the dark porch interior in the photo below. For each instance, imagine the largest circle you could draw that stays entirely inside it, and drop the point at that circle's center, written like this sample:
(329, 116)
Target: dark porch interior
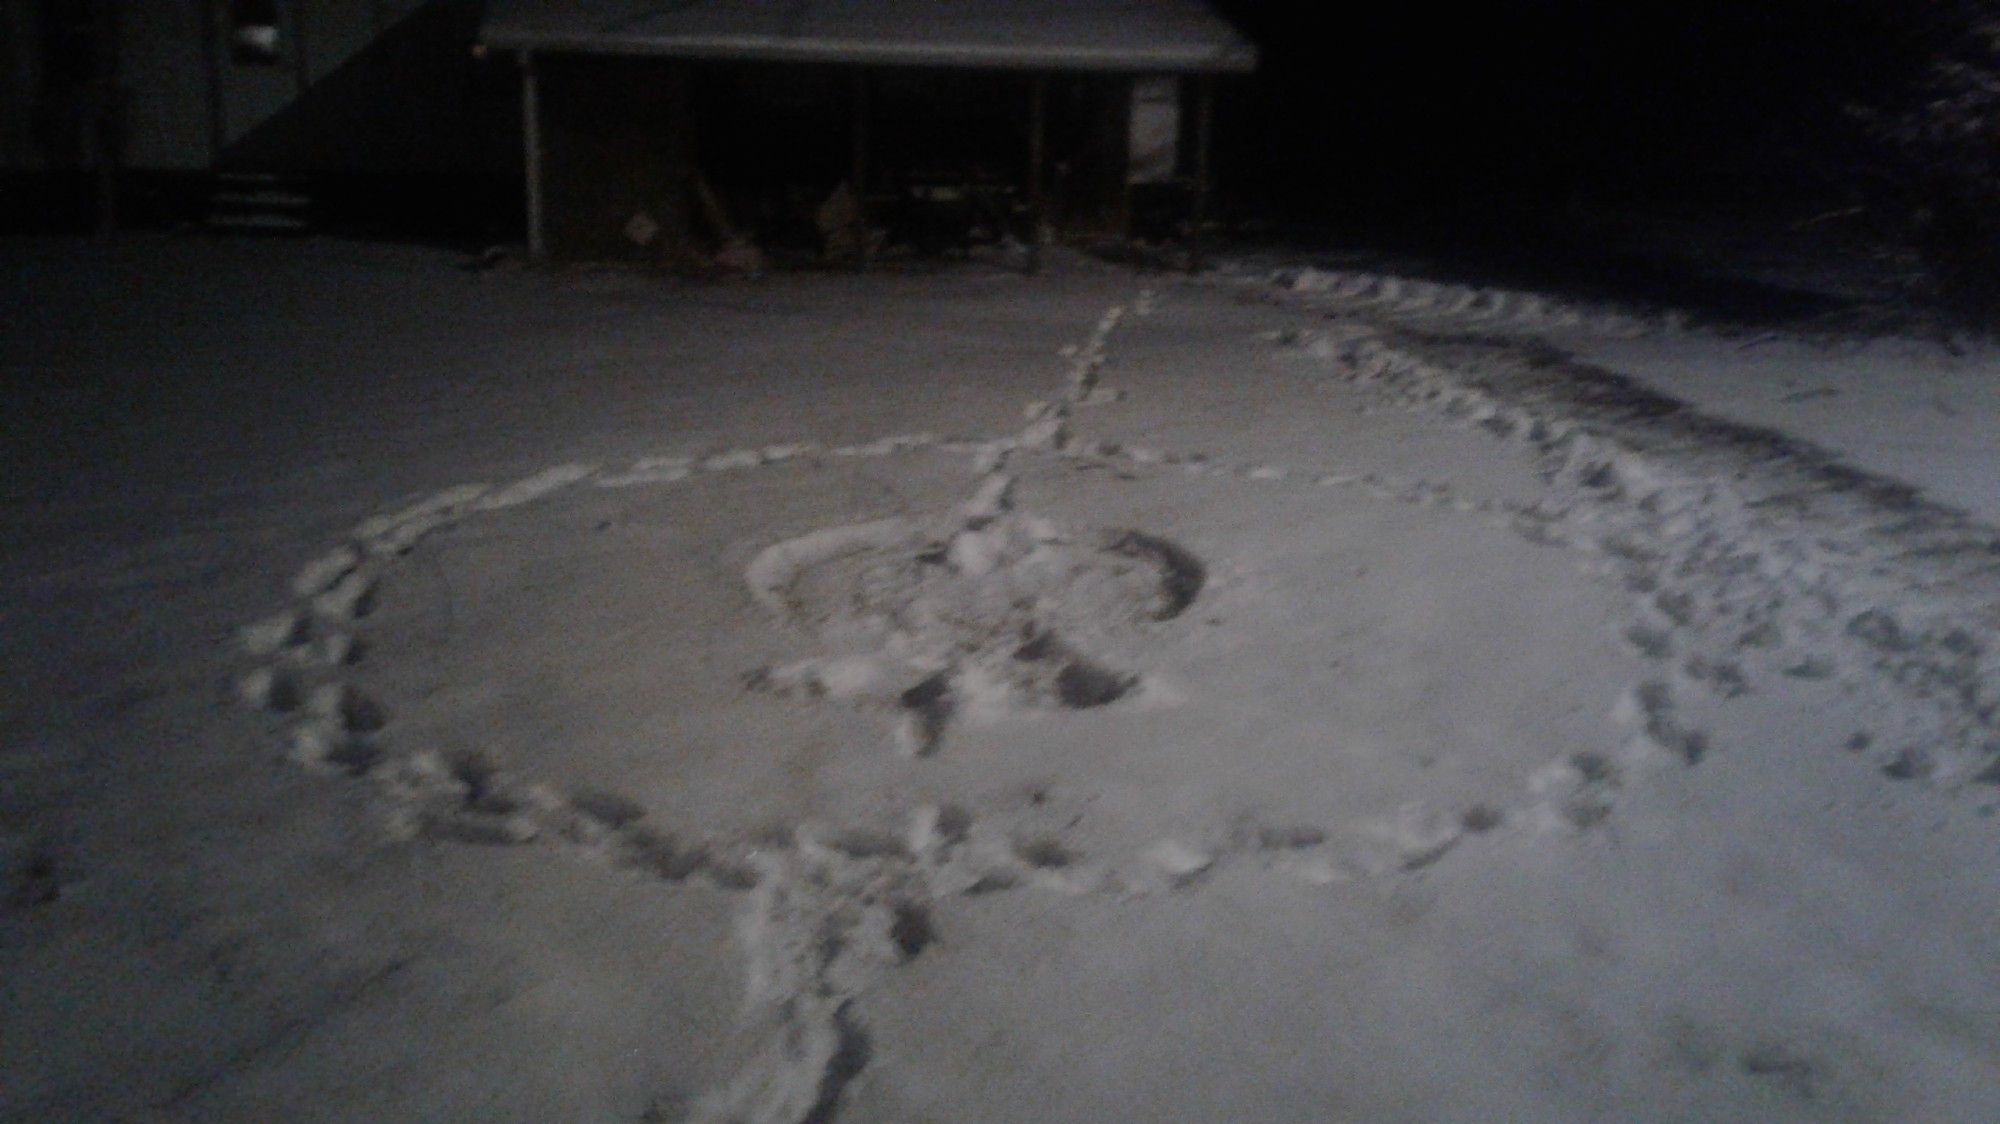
(935, 156)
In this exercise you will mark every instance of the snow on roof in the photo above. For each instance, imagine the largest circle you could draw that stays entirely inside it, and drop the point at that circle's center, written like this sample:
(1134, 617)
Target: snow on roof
(1157, 36)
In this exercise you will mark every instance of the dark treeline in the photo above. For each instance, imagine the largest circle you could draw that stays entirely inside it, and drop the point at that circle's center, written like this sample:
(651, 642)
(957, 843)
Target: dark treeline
(1530, 103)
(1871, 125)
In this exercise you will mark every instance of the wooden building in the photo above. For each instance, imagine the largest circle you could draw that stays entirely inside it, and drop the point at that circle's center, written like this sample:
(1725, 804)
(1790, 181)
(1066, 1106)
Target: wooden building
(246, 102)
(669, 131)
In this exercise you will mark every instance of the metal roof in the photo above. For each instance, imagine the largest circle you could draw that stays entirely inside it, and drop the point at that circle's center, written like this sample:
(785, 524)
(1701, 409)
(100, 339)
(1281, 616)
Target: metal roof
(1151, 36)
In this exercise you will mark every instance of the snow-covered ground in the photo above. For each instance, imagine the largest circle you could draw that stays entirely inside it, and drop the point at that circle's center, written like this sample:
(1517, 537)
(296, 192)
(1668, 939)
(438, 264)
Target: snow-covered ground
(1913, 410)
(956, 696)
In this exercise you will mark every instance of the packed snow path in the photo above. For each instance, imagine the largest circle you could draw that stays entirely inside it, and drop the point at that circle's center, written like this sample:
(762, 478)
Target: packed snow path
(1005, 715)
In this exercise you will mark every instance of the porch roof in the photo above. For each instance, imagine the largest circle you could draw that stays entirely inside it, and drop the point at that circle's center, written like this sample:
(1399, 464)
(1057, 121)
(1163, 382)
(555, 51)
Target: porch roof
(1131, 36)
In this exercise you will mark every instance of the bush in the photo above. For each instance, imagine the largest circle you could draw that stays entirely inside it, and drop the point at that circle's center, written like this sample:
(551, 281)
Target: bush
(1936, 166)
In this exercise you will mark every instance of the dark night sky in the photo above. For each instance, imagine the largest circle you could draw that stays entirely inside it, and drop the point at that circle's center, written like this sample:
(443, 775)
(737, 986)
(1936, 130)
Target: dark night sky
(1692, 103)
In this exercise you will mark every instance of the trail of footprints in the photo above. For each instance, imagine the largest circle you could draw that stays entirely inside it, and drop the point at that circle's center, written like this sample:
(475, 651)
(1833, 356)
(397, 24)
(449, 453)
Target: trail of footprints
(1429, 303)
(831, 908)
(1748, 554)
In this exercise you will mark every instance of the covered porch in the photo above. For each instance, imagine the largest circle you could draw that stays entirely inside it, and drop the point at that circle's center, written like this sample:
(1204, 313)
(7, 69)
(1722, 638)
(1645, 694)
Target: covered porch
(728, 129)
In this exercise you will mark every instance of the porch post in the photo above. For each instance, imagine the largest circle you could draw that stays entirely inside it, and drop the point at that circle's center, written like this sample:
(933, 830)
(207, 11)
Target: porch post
(106, 112)
(531, 133)
(1204, 128)
(1038, 96)
(218, 122)
(858, 139)
(858, 171)
(301, 60)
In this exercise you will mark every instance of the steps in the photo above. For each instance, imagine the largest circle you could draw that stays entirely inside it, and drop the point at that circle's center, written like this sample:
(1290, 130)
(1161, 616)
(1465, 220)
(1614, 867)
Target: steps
(259, 203)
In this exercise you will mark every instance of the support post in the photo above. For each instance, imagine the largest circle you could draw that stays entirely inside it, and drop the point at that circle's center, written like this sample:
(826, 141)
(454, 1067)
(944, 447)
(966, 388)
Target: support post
(531, 135)
(106, 113)
(218, 120)
(1038, 96)
(858, 139)
(1204, 129)
(858, 171)
(301, 57)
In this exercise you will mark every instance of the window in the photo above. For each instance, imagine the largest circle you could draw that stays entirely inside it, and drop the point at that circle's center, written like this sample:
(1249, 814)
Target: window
(253, 32)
